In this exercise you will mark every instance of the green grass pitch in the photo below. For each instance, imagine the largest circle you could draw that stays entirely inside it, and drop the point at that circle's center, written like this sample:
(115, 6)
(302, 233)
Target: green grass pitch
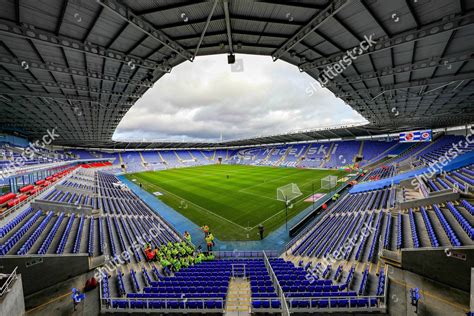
(233, 199)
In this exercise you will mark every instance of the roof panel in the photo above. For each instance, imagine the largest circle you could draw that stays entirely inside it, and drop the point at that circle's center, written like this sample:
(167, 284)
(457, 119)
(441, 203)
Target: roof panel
(79, 68)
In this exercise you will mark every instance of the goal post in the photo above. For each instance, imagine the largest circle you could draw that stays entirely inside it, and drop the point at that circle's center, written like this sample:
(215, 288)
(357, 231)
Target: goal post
(288, 193)
(329, 182)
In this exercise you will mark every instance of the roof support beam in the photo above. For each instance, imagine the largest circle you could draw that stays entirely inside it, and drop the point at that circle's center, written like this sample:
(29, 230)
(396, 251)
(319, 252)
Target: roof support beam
(124, 13)
(462, 6)
(65, 86)
(319, 19)
(17, 11)
(61, 17)
(383, 43)
(94, 21)
(290, 3)
(372, 15)
(242, 46)
(389, 71)
(235, 32)
(221, 18)
(228, 26)
(117, 35)
(51, 39)
(170, 7)
(57, 96)
(208, 21)
(444, 81)
(412, 12)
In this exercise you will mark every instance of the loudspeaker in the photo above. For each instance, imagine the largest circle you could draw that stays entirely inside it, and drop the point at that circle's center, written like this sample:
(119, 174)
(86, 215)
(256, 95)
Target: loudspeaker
(231, 59)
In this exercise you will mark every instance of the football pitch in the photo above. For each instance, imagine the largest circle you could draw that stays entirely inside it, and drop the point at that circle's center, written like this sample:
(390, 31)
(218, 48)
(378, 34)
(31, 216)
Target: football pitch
(233, 199)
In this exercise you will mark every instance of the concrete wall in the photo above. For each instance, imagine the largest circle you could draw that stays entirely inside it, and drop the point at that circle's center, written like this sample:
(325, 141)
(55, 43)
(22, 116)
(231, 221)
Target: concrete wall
(436, 265)
(472, 290)
(13, 302)
(65, 188)
(436, 199)
(41, 271)
(62, 207)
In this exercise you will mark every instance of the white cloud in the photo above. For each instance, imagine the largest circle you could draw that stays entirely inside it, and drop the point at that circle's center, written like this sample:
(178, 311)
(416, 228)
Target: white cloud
(199, 101)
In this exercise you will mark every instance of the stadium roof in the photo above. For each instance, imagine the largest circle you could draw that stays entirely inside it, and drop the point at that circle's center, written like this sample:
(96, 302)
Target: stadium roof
(79, 65)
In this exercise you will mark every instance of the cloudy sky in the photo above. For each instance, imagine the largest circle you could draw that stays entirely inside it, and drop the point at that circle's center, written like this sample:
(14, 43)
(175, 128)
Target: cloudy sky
(199, 101)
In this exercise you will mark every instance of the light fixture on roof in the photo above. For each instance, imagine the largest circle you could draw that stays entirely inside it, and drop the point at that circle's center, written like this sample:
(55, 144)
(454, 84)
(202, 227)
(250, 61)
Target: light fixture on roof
(231, 59)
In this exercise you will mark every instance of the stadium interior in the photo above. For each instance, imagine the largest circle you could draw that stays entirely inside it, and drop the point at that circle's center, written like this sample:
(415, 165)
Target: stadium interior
(356, 219)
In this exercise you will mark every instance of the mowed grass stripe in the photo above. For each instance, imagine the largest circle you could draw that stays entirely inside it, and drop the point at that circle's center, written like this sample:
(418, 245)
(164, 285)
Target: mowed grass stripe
(246, 199)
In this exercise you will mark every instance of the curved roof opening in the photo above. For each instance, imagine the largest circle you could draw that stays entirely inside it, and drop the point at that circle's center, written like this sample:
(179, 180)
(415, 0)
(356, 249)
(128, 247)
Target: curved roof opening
(209, 100)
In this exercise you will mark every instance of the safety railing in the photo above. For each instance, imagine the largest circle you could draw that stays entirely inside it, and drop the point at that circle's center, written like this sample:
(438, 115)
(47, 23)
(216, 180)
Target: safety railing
(335, 303)
(176, 305)
(23, 203)
(341, 302)
(18, 206)
(243, 254)
(7, 284)
(281, 295)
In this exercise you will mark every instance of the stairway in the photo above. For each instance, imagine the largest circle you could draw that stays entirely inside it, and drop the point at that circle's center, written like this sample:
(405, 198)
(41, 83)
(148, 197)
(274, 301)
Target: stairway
(283, 158)
(177, 156)
(142, 158)
(238, 297)
(264, 161)
(328, 156)
(360, 152)
(122, 163)
(303, 156)
(162, 159)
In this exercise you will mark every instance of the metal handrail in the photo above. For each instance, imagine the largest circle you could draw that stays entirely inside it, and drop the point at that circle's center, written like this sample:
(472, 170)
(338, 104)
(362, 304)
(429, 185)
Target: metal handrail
(381, 301)
(106, 302)
(280, 293)
(31, 197)
(6, 286)
(22, 203)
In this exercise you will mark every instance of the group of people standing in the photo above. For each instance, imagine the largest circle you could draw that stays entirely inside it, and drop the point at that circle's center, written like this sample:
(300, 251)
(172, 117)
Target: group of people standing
(208, 237)
(175, 256)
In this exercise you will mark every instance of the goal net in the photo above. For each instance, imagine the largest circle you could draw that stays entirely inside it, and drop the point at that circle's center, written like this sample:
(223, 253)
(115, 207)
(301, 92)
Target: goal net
(288, 193)
(328, 182)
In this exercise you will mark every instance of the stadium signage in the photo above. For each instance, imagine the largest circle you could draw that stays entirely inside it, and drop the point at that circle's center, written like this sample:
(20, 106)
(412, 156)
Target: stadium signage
(416, 136)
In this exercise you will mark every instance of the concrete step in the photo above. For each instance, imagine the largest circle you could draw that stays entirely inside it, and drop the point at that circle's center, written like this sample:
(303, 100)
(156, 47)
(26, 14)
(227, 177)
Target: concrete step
(236, 313)
(239, 297)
